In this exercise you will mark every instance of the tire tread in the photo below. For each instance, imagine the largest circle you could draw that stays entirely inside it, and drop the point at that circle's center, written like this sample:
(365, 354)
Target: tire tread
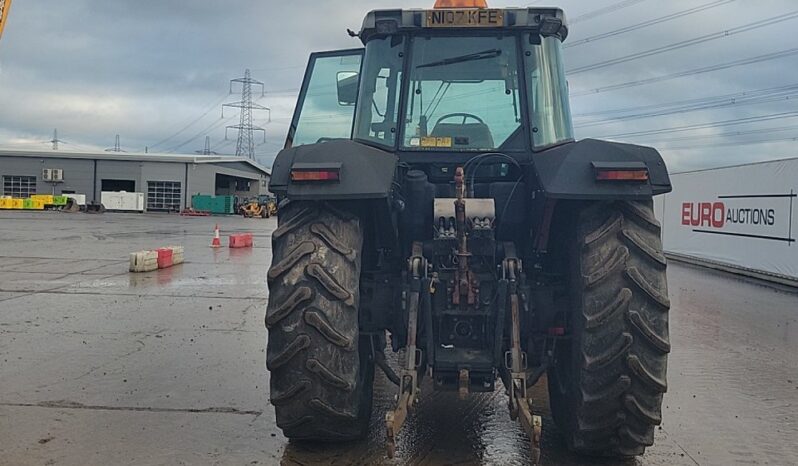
(612, 393)
(320, 379)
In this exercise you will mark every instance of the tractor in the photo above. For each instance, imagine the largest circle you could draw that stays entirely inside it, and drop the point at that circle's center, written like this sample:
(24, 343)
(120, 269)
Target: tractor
(434, 201)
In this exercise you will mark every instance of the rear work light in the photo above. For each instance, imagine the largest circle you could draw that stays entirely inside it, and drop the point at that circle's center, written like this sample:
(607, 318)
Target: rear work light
(625, 171)
(316, 174)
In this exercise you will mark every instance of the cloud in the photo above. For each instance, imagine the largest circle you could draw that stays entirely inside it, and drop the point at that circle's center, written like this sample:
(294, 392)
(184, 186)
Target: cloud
(146, 69)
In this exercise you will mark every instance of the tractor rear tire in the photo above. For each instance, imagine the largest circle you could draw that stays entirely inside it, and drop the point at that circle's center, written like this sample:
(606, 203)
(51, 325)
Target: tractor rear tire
(607, 385)
(321, 369)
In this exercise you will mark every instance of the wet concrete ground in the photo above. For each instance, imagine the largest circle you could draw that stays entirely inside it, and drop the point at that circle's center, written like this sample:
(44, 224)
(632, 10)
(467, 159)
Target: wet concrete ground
(98, 366)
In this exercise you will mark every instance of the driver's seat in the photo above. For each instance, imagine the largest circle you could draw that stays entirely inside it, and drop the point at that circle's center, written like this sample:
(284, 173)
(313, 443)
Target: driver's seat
(468, 135)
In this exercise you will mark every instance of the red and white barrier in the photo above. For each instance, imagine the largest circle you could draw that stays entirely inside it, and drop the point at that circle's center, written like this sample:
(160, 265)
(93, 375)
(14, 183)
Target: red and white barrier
(243, 240)
(177, 254)
(143, 261)
(164, 258)
(161, 258)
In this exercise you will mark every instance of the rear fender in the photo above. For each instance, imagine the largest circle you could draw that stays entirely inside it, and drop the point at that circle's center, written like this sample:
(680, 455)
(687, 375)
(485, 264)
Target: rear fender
(365, 172)
(569, 171)
(365, 184)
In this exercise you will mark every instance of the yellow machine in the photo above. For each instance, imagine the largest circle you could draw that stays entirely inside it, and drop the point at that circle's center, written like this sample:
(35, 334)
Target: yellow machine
(263, 207)
(4, 7)
(271, 208)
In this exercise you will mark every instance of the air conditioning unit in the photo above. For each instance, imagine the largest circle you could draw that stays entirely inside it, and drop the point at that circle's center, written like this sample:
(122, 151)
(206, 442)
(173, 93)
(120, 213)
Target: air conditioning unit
(53, 174)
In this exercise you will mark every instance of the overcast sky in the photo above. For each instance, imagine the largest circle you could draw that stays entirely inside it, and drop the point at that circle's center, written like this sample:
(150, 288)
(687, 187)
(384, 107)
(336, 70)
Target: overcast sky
(150, 68)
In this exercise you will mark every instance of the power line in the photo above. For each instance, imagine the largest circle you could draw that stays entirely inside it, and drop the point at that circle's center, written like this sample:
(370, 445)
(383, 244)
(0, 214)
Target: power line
(687, 110)
(645, 24)
(697, 71)
(605, 10)
(729, 134)
(215, 125)
(192, 123)
(732, 96)
(716, 124)
(211, 127)
(80, 146)
(223, 143)
(282, 68)
(732, 143)
(687, 43)
(706, 105)
(284, 91)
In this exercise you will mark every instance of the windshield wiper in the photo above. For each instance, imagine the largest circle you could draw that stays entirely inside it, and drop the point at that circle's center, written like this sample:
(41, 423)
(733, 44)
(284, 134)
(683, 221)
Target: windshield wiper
(464, 58)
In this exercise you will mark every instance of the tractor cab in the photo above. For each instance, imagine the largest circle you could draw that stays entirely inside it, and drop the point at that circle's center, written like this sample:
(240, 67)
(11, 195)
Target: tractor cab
(460, 78)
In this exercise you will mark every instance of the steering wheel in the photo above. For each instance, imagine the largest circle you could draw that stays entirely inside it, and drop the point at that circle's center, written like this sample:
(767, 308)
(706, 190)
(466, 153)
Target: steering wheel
(465, 117)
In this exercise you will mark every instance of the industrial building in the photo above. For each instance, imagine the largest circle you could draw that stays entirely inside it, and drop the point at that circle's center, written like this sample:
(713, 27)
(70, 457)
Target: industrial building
(168, 181)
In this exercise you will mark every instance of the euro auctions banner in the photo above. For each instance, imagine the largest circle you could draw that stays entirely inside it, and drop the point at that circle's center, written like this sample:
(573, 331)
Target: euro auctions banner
(743, 216)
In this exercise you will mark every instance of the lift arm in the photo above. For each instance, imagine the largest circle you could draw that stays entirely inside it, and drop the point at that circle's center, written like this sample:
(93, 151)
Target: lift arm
(407, 398)
(515, 359)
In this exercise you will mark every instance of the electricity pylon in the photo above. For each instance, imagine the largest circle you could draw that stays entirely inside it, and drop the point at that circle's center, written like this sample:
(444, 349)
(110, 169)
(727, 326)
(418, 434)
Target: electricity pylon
(245, 146)
(117, 147)
(207, 150)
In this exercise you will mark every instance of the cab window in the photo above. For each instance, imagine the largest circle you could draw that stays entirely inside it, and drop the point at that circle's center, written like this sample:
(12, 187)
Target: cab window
(463, 94)
(549, 108)
(320, 115)
(380, 84)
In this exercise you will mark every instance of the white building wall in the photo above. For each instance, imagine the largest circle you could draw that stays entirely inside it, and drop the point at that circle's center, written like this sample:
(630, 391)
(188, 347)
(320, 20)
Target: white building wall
(78, 174)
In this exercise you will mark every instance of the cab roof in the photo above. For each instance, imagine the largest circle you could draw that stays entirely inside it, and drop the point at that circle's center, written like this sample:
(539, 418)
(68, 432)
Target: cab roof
(546, 21)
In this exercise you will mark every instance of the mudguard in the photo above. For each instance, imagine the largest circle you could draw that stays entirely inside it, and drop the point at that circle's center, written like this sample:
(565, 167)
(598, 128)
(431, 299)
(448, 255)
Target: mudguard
(365, 172)
(567, 171)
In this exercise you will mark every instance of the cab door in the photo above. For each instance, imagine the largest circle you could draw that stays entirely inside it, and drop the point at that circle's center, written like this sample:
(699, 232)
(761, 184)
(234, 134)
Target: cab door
(326, 106)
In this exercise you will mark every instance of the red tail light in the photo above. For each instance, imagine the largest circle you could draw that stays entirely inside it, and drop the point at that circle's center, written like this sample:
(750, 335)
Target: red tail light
(620, 171)
(622, 175)
(316, 175)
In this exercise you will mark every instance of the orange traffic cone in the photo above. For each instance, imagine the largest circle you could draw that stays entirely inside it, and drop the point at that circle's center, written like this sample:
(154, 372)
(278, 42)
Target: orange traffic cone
(217, 242)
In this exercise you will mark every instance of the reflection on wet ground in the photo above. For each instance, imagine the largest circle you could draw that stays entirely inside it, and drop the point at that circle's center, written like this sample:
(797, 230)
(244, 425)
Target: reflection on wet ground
(98, 366)
(450, 431)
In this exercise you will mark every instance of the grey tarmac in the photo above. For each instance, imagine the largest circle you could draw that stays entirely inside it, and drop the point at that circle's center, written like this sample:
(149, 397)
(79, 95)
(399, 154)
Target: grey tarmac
(99, 366)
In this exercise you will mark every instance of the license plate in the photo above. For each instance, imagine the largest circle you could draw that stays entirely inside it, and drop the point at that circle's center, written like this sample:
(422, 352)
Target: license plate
(472, 18)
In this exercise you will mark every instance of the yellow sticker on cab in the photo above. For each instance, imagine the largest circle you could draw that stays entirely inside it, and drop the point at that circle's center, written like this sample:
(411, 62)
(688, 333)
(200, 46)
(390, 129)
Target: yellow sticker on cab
(432, 141)
(475, 18)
